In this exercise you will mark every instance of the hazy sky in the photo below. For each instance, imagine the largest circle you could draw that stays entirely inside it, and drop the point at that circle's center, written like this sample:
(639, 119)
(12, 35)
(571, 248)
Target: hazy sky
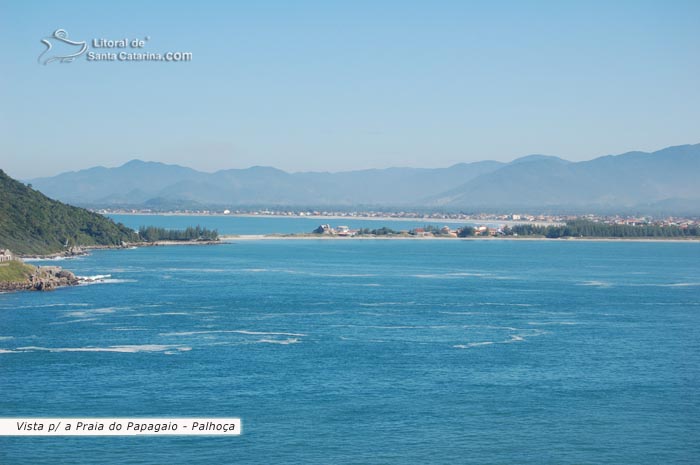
(327, 85)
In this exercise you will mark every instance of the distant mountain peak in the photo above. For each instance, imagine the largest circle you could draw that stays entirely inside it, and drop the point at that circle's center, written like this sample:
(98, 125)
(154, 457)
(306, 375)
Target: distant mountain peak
(538, 157)
(134, 162)
(265, 168)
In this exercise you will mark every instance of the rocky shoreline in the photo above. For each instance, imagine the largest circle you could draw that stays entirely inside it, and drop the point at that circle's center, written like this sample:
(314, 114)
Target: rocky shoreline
(78, 251)
(43, 278)
(48, 278)
(71, 252)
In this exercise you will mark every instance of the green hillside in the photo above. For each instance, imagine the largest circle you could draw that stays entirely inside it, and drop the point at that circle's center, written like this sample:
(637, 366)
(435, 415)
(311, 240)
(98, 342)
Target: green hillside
(31, 223)
(15, 271)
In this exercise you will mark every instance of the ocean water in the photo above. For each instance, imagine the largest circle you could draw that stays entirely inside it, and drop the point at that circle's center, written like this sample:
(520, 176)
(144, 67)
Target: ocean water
(368, 352)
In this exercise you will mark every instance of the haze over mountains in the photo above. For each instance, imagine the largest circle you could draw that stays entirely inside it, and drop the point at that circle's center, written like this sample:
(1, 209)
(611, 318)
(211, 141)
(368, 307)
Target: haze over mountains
(666, 181)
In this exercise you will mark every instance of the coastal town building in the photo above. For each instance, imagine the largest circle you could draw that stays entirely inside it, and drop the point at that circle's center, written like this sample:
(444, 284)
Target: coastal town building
(6, 255)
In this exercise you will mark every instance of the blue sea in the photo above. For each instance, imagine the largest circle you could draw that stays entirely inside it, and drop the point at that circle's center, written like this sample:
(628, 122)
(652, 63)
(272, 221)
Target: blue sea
(367, 352)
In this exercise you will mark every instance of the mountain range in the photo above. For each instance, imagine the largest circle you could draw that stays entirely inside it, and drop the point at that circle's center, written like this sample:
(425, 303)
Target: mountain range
(665, 181)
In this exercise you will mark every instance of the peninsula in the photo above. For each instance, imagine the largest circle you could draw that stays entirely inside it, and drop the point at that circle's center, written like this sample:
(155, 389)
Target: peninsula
(33, 225)
(18, 276)
(573, 229)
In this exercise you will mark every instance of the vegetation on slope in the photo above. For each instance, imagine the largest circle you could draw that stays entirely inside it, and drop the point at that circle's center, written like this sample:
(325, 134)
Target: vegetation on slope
(15, 271)
(31, 223)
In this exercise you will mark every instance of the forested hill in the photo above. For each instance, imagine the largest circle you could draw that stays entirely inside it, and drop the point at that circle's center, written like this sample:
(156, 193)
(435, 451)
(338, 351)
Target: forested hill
(31, 223)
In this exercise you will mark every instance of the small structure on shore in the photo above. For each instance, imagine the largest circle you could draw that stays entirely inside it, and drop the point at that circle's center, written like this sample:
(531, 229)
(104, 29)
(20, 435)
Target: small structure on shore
(323, 229)
(342, 231)
(6, 255)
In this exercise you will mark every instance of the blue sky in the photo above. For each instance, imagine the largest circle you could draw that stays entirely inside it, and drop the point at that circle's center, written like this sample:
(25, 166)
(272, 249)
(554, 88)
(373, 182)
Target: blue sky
(330, 86)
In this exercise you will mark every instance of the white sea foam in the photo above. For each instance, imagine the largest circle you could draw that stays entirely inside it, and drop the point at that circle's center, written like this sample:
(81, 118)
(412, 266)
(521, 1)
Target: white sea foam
(309, 273)
(302, 314)
(475, 304)
(502, 304)
(513, 338)
(97, 277)
(106, 281)
(67, 322)
(385, 304)
(285, 342)
(473, 344)
(236, 331)
(463, 313)
(52, 305)
(552, 323)
(199, 270)
(76, 314)
(505, 328)
(394, 326)
(459, 274)
(680, 285)
(129, 329)
(92, 311)
(391, 326)
(264, 333)
(166, 313)
(7, 351)
(344, 275)
(431, 276)
(519, 336)
(595, 284)
(117, 348)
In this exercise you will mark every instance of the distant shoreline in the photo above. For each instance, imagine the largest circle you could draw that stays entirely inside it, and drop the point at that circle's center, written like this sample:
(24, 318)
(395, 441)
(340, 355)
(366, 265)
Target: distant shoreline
(268, 237)
(85, 249)
(353, 218)
(230, 238)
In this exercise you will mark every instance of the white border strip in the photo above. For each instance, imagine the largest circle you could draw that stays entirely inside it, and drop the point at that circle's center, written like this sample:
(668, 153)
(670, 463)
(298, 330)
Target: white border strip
(29, 426)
